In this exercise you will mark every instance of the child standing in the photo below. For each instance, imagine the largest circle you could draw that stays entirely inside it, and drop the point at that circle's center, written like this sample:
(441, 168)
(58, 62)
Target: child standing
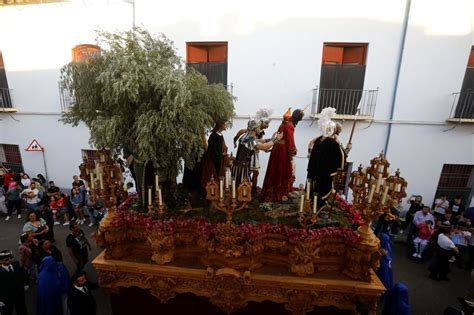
(426, 230)
(77, 202)
(53, 206)
(62, 208)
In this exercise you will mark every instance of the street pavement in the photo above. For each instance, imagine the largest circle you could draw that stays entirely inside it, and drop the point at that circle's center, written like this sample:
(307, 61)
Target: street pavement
(426, 296)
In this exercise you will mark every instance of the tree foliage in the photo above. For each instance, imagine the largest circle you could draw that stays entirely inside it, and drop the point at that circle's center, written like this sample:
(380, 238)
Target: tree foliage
(137, 95)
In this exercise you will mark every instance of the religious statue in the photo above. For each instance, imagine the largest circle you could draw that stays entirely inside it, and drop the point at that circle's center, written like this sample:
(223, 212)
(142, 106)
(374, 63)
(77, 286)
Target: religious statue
(262, 119)
(215, 158)
(246, 160)
(279, 177)
(326, 158)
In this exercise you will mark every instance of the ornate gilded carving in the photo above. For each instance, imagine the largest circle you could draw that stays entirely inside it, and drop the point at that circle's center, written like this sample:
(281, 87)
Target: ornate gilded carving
(162, 245)
(302, 256)
(300, 301)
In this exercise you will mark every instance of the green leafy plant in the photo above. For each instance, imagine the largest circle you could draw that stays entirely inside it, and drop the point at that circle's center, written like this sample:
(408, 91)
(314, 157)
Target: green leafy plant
(137, 97)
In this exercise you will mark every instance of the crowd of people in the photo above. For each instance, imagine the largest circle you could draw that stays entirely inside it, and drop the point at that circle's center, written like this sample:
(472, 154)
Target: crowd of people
(59, 291)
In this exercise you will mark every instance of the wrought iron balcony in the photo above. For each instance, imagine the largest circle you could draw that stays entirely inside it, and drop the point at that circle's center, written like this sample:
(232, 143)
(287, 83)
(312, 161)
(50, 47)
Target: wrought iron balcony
(462, 109)
(349, 103)
(65, 97)
(6, 99)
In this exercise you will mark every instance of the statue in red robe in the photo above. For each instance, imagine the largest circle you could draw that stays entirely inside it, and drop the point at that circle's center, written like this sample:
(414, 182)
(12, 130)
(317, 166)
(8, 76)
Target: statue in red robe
(279, 177)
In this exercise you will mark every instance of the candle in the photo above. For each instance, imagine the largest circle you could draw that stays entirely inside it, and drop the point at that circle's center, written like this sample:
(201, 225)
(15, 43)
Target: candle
(149, 196)
(226, 179)
(87, 171)
(111, 174)
(233, 189)
(213, 192)
(308, 189)
(379, 183)
(92, 180)
(160, 200)
(315, 203)
(398, 187)
(244, 192)
(385, 192)
(221, 189)
(380, 168)
(157, 182)
(301, 203)
(97, 168)
(371, 194)
(102, 158)
(101, 181)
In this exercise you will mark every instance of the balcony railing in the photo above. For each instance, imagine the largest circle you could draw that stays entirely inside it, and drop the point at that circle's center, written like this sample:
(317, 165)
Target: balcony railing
(6, 99)
(462, 109)
(348, 103)
(65, 97)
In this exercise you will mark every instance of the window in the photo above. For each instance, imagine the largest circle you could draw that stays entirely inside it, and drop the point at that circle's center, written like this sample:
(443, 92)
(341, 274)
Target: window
(209, 58)
(90, 155)
(456, 179)
(342, 76)
(10, 157)
(465, 104)
(5, 97)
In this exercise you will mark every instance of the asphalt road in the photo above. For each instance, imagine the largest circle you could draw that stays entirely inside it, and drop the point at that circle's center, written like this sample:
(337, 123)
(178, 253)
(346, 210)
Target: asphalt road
(426, 296)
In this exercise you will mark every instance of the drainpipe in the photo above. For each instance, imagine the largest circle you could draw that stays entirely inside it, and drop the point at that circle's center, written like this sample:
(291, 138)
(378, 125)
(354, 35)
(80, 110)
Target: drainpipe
(397, 74)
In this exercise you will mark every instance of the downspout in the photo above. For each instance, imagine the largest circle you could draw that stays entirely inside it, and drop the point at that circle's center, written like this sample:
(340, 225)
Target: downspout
(397, 74)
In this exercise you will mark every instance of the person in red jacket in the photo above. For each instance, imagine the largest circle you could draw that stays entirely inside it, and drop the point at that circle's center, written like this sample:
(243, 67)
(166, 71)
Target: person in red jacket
(425, 233)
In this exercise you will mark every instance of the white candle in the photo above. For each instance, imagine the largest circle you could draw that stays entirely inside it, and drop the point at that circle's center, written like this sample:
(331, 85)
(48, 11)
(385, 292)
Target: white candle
(398, 187)
(308, 189)
(301, 203)
(371, 194)
(379, 183)
(157, 183)
(221, 189)
(233, 189)
(385, 192)
(160, 200)
(101, 181)
(92, 180)
(226, 179)
(315, 203)
(111, 174)
(149, 196)
(97, 168)
(213, 192)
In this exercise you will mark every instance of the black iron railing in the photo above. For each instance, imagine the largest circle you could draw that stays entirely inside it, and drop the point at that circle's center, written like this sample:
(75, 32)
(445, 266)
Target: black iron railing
(345, 101)
(6, 100)
(463, 105)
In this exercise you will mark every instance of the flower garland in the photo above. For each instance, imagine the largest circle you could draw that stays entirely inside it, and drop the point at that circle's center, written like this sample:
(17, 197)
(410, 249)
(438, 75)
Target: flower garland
(246, 230)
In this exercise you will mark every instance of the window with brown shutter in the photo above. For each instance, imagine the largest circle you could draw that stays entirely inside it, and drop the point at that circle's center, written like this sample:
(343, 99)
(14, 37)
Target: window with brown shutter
(209, 58)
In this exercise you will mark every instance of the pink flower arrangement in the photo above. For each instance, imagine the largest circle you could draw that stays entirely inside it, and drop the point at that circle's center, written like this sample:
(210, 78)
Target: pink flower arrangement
(247, 231)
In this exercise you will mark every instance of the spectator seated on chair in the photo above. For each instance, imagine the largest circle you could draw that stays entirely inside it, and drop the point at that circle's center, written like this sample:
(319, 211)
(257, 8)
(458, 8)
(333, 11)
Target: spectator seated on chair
(425, 233)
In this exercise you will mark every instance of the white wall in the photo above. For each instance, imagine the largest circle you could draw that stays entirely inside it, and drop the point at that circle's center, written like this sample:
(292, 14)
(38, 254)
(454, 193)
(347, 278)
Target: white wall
(274, 61)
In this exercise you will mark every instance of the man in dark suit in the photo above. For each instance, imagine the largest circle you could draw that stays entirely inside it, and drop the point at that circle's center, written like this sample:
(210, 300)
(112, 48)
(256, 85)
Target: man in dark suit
(81, 301)
(13, 280)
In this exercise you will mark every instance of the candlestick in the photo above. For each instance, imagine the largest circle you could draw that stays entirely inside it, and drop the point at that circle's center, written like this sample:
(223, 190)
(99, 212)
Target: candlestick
(221, 189)
(233, 189)
(385, 192)
(149, 195)
(160, 200)
(379, 182)
(308, 189)
(157, 182)
(315, 203)
(371, 194)
(302, 203)
(101, 181)
(92, 180)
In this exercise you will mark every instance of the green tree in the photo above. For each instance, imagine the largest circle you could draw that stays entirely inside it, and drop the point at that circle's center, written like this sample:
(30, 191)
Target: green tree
(137, 97)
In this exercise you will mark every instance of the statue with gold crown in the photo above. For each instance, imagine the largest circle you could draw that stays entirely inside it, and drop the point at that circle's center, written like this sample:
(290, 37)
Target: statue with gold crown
(279, 177)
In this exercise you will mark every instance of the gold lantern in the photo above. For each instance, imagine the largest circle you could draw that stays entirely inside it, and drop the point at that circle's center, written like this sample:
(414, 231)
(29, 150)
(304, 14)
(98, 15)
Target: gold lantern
(397, 186)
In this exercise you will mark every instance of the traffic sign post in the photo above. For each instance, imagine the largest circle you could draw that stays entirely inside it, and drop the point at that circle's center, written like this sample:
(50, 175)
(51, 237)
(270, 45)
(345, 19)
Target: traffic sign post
(36, 147)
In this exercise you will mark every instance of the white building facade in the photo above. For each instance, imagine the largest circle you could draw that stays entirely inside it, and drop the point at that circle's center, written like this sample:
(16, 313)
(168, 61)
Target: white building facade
(416, 55)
